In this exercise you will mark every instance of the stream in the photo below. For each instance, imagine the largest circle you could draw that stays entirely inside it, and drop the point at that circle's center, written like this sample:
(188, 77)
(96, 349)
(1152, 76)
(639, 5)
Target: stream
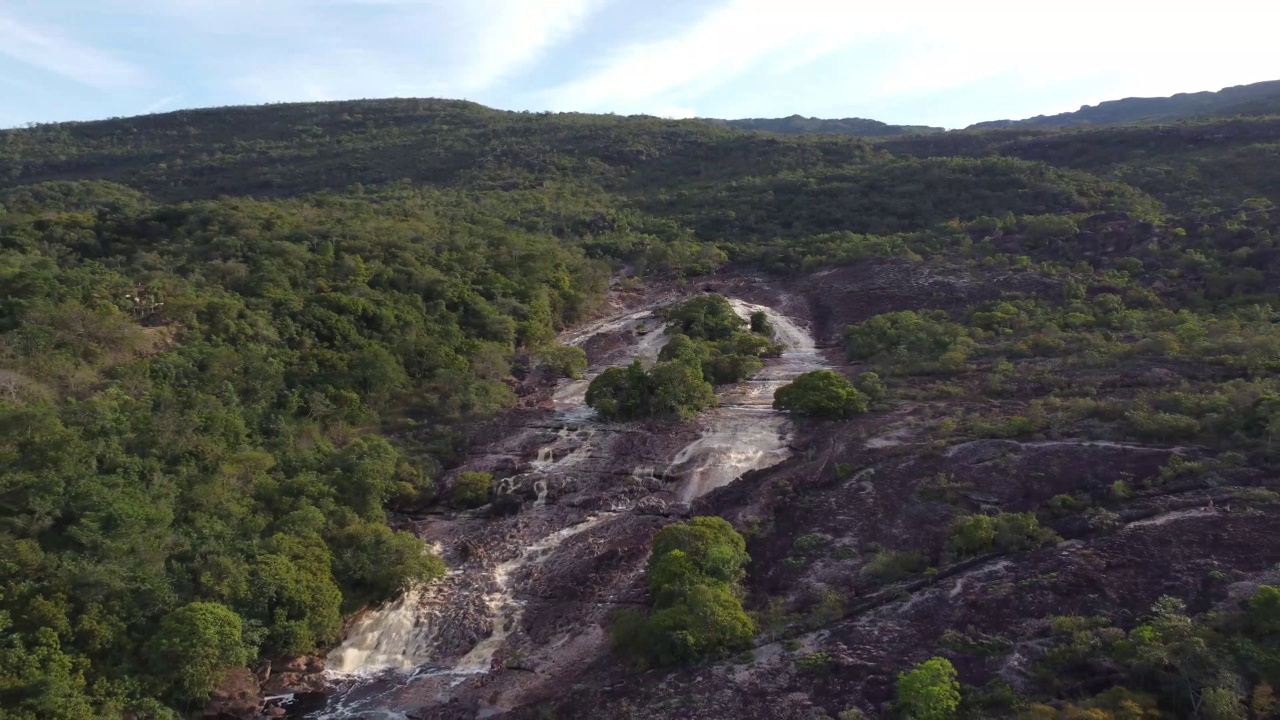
(396, 645)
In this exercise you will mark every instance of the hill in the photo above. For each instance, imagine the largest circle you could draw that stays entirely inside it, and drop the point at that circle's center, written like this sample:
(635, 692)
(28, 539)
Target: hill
(263, 367)
(1241, 100)
(799, 125)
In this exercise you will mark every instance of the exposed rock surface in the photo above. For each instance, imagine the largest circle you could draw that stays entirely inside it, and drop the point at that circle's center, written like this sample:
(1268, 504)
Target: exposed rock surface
(520, 625)
(238, 697)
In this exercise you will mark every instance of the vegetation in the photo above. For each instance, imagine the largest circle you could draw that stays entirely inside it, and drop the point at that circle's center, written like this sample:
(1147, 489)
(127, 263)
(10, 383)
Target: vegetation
(472, 489)
(1004, 532)
(233, 340)
(929, 691)
(821, 393)
(708, 347)
(1177, 662)
(694, 578)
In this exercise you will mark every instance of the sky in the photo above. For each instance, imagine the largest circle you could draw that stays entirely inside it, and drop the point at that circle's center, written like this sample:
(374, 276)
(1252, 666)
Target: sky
(922, 62)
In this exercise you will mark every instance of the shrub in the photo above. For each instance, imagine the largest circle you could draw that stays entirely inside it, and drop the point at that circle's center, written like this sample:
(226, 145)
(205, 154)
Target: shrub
(760, 324)
(471, 489)
(929, 691)
(920, 336)
(871, 385)
(1006, 532)
(821, 393)
(891, 566)
(811, 543)
(972, 535)
(818, 663)
(563, 360)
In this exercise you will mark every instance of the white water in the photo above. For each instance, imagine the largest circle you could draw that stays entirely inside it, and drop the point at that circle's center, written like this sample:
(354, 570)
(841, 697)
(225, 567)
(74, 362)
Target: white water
(504, 609)
(745, 433)
(396, 636)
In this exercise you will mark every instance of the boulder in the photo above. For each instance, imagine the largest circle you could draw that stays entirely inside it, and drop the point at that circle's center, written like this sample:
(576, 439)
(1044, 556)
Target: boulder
(238, 697)
(298, 674)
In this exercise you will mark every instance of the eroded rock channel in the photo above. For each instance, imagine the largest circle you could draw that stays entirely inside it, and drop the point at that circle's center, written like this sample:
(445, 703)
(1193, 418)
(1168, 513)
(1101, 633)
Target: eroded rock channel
(524, 607)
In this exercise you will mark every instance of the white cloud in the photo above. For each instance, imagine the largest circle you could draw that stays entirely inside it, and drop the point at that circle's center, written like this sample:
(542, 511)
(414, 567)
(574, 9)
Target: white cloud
(736, 36)
(925, 47)
(328, 49)
(52, 51)
(162, 103)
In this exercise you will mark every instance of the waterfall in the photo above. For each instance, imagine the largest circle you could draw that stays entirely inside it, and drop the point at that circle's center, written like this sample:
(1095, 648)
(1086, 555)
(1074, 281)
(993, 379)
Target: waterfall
(396, 636)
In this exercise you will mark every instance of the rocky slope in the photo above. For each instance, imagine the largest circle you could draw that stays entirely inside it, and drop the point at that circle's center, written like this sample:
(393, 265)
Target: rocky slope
(519, 627)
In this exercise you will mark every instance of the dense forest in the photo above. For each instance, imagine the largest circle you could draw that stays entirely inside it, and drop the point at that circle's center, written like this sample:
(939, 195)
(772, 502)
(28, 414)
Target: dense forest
(233, 341)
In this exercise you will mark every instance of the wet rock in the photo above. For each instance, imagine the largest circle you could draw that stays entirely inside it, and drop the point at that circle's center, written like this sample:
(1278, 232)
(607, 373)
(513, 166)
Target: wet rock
(238, 697)
(652, 506)
(299, 674)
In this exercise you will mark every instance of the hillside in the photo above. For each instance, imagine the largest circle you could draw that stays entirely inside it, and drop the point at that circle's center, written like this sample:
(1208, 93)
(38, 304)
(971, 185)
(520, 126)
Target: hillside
(436, 394)
(799, 125)
(1241, 100)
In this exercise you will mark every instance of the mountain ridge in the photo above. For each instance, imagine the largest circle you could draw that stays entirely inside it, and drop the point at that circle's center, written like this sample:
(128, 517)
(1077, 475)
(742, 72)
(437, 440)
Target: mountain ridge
(1255, 98)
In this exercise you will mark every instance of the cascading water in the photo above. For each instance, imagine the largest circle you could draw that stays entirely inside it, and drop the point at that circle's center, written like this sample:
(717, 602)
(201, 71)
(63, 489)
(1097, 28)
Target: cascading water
(504, 608)
(397, 637)
(744, 432)
(393, 646)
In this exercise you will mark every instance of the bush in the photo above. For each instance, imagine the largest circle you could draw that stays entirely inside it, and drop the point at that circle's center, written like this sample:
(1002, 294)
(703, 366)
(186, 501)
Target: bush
(563, 360)
(673, 389)
(709, 317)
(929, 691)
(693, 575)
(821, 393)
(871, 385)
(472, 489)
(760, 324)
(920, 336)
(1006, 532)
(972, 535)
(890, 566)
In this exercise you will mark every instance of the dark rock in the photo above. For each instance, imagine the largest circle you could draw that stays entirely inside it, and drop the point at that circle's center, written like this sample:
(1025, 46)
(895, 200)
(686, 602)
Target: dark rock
(652, 506)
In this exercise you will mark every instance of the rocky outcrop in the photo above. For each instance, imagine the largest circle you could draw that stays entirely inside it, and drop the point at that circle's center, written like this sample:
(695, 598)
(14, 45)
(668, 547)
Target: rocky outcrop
(296, 674)
(238, 697)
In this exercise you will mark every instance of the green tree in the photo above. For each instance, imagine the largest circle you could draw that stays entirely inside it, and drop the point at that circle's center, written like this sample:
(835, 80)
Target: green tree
(371, 562)
(929, 691)
(563, 360)
(707, 317)
(193, 646)
(822, 393)
(472, 489)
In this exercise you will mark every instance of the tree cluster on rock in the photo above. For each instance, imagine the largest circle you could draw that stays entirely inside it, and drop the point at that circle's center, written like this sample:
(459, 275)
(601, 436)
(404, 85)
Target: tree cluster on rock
(708, 347)
(694, 577)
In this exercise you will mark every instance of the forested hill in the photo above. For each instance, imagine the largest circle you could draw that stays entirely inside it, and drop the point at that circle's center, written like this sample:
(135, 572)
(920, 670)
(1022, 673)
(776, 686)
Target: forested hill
(1241, 100)
(800, 125)
(235, 341)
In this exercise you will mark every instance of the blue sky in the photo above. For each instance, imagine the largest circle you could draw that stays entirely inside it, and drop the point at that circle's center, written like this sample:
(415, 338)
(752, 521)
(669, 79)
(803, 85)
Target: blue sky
(914, 61)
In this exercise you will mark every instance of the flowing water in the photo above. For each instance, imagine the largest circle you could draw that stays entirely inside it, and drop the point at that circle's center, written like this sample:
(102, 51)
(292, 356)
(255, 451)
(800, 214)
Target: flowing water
(744, 432)
(391, 646)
